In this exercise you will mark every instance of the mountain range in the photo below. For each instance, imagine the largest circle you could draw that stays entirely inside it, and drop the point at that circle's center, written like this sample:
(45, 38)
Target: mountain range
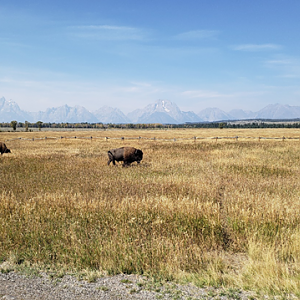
(162, 111)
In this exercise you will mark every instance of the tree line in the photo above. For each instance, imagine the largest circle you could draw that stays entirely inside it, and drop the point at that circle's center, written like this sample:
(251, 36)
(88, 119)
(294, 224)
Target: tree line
(28, 126)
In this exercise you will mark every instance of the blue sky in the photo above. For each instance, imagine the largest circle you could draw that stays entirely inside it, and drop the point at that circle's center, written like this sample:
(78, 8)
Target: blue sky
(129, 53)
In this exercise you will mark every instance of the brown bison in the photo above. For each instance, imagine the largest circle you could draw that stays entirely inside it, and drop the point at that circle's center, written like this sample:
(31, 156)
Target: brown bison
(125, 154)
(3, 148)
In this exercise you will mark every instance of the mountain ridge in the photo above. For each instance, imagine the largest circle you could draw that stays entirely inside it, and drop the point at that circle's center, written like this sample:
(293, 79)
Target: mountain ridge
(161, 111)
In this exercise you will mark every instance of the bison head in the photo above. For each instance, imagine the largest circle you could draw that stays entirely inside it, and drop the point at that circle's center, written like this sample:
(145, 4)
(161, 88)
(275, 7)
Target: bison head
(138, 155)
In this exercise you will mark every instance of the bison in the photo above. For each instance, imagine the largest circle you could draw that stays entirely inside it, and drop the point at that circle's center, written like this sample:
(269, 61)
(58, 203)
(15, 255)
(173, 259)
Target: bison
(3, 148)
(125, 154)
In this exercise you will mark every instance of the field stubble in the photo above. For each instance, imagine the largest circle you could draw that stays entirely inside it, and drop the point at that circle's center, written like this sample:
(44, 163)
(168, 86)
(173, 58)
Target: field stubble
(214, 213)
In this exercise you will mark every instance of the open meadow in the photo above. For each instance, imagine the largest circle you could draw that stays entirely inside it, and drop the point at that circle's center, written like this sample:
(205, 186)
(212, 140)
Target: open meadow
(215, 212)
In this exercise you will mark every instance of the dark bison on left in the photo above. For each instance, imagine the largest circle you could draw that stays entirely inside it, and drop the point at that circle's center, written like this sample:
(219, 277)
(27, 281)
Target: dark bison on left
(126, 154)
(3, 148)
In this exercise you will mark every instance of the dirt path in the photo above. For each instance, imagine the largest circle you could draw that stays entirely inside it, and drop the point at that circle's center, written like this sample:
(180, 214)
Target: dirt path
(14, 286)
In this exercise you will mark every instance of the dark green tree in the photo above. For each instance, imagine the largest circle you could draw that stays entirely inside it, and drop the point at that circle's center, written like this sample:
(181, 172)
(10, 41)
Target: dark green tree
(13, 124)
(39, 124)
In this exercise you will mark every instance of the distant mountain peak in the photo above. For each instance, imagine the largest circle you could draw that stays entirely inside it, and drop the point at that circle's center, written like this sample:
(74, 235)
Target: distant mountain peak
(211, 114)
(10, 110)
(279, 111)
(108, 114)
(161, 111)
(164, 105)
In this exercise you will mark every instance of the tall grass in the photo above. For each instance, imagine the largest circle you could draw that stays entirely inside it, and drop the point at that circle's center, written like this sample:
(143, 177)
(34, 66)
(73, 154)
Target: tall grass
(217, 213)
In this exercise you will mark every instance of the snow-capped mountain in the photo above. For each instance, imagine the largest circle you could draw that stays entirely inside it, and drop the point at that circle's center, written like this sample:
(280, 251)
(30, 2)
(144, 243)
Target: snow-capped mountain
(10, 110)
(107, 114)
(157, 117)
(272, 111)
(278, 111)
(65, 113)
(162, 111)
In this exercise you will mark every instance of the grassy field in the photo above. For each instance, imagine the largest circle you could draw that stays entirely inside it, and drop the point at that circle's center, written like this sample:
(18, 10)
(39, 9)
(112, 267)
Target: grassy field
(211, 212)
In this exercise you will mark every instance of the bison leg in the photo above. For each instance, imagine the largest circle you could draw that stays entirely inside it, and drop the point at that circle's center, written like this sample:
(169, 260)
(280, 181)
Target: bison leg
(126, 164)
(111, 160)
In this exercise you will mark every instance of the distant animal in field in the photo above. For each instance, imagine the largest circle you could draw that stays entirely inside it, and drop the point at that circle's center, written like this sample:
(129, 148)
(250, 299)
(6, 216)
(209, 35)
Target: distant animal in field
(126, 154)
(3, 148)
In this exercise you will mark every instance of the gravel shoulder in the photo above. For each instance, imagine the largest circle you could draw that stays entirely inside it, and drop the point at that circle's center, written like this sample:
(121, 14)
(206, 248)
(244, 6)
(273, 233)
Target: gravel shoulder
(14, 286)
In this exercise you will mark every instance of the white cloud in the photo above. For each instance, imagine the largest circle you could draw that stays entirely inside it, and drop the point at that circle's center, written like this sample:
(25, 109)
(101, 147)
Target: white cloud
(279, 62)
(8, 43)
(141, 84)
(107, 32)
(256, 47)
(205, 94)
(215, 95)
(140, 90)
(289, 67)
(197, 34)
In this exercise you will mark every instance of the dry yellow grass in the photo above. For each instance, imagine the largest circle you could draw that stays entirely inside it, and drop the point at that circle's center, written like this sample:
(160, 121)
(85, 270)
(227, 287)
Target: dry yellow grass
(216, 213)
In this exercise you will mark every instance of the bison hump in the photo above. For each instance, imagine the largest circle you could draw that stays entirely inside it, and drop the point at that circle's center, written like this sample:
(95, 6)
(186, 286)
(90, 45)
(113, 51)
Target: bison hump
(128, 152)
